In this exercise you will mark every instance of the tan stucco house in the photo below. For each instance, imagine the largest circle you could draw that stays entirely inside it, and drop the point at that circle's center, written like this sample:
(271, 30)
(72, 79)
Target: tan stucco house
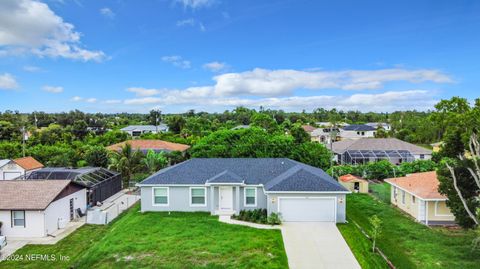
(417, 194)
(354, 183)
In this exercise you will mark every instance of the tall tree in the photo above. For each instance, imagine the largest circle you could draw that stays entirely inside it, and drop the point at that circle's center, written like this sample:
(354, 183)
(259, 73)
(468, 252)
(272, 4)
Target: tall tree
(126, 161)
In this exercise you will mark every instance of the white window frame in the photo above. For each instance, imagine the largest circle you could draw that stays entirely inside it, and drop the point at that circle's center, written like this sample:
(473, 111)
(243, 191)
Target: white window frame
(205, 196)
(24, 218)
(153, 196)
(245, 197)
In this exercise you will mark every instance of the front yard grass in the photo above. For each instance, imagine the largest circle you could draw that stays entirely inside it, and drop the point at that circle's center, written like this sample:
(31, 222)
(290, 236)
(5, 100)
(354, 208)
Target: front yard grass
(409, 244)
(162, 240)
(381, 191)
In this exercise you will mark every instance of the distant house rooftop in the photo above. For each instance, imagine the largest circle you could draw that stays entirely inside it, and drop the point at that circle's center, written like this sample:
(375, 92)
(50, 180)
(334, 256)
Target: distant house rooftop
(359, 127)
(144, 145)
(142, 128)
(350, 177)
(308, 128)
(28, 163)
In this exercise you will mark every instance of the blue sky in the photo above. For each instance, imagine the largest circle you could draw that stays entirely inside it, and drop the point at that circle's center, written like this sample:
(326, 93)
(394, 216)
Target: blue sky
(212, 55)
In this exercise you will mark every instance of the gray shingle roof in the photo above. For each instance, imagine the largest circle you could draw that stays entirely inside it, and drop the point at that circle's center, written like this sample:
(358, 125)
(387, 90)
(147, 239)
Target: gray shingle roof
(276, 174)
(358, 127)
(377, 144)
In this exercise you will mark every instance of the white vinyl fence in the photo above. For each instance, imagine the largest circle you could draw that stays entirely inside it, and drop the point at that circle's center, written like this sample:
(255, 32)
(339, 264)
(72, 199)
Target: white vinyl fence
(110, 210)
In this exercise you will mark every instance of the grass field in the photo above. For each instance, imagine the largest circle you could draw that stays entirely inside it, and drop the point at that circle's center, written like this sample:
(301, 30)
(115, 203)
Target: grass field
(407, 243)
(162, 240)
(380, 191)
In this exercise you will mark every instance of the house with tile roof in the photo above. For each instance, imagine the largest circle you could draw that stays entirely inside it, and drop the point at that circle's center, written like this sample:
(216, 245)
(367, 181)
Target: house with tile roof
(138, 130)
(357, 131)
(224, 186)
(21, 167)
(38, 208)
(144, 145)
(417, 195)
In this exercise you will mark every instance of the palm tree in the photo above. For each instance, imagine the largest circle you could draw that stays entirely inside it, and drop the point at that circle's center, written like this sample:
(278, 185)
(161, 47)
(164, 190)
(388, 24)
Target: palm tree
(127, 162)
(155, 161)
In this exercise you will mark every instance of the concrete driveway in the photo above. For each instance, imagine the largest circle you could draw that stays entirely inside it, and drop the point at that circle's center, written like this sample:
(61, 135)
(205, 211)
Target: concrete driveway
(316, 245)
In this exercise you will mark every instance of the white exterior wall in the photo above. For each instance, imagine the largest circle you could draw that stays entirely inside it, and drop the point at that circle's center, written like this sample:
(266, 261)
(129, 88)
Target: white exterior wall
(356, 134)
(425, 157)
(11, 171)
(60, 209)
(34, 224)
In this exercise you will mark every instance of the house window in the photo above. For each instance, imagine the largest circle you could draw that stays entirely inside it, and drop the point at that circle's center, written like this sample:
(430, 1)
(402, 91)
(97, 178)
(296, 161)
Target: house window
(403, 197)
(413, 199)
(250, 197)
(160, 196)
(422, 156)
(197, 197)
(18, 218)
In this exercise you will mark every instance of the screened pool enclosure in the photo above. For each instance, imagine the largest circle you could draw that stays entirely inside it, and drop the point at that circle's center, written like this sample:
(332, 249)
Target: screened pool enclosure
(365, 156)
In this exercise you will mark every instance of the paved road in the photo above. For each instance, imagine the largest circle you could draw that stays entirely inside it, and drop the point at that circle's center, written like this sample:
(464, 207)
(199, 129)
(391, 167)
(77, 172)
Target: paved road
(316, 245)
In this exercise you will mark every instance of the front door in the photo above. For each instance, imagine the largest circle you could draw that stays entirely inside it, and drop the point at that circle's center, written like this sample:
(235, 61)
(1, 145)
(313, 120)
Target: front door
(226, 198)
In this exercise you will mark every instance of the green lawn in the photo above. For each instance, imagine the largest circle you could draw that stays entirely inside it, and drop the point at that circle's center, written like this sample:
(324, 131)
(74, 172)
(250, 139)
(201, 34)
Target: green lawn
(380, 191)
(162, 240)
(406, 243)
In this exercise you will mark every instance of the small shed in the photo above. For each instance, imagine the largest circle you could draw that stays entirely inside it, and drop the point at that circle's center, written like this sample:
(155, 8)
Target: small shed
(354, 183)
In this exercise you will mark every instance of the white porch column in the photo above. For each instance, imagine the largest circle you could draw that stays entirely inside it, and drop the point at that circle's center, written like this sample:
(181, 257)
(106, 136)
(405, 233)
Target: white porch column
(212, 200)
(237, 198)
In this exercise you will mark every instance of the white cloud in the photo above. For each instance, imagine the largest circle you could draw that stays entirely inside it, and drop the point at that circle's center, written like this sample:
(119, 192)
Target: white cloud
(91, 100)
(216, 66)
(202, 27)
(53, 89)
(31, 27)
(177, 61)
(193, 4)
(32, 68)
(143, 91)
(186, 22)
(8, 82)
(107, 13)
(264, 82)
(77, 99)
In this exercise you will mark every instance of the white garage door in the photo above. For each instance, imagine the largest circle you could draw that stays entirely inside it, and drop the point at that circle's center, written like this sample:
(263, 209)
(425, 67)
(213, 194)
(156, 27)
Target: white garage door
(11, 175)
(307, 209)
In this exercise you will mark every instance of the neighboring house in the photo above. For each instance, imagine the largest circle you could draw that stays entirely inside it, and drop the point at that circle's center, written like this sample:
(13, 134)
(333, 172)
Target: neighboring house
(39, 208)
(137, 130)
(417, 194)
(100, 182)
(297, 191)
(10, 170)
(238, 127)
(29, 164)
(308, 128)
(18, 168)
(374, 149)
(357, 131)
(436, 147)
(325, 135)
(144, 145)
(354, 183)
(329, 124)
(385, 126)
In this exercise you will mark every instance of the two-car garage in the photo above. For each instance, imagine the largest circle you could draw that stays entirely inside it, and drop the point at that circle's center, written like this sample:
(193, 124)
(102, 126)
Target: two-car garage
(308, 208)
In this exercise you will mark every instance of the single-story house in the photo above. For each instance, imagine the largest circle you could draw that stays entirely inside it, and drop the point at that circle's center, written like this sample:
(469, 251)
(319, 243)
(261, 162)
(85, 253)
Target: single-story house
(137, 130)
(366, 150)
(357, 131)
(325, 135)
(354, 183)
(224, 186)
(100, 183)
(144, 145)
(417, 194)
(38, 208)
(11, 169)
